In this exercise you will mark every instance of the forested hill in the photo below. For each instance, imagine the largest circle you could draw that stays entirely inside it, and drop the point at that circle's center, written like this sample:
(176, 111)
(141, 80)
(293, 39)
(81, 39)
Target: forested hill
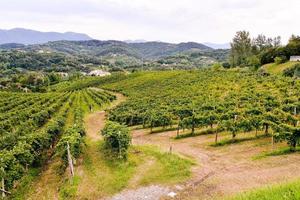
(112, 55)
(146, 50)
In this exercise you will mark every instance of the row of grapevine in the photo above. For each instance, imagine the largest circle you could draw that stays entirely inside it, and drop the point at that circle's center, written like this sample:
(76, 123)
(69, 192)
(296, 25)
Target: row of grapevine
(73, 136)
(33, 123)
(29, 146)
(230, 100)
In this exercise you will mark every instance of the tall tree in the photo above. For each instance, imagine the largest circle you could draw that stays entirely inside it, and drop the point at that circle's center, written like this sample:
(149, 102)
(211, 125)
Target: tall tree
(240, 48)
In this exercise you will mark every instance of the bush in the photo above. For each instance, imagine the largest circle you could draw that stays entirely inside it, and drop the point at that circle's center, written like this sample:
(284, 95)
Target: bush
(263, 72)
(280, 59)
(117, 139)
(217, 67)
(226, 65)
(293, 71)
(253, 61)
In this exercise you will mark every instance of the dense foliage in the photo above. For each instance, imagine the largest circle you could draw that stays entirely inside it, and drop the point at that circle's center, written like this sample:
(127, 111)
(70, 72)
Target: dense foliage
(261, 50)
(293, 71)
(32, 60)
(117, 139)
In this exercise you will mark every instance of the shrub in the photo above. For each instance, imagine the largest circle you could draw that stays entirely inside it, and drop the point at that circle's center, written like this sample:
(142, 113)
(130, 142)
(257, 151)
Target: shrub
(217, 66)
(226, 65)
(117, 139)
(280, 59)
(293, 71)
(253, 61)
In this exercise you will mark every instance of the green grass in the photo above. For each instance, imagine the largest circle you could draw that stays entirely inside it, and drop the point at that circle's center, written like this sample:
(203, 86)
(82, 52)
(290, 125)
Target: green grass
(69, 189)
(25, 184)
(285, 191)
(169, 168)
(99, 176)
(198, 133)
(237, 140)
(278, 152)
(277, 69)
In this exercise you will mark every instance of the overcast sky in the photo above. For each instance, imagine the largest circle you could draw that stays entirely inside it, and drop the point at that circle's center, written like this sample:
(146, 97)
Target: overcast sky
(164, 20)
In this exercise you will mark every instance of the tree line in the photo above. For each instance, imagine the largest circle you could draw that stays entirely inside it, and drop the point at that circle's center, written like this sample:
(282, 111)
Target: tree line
(247, 51)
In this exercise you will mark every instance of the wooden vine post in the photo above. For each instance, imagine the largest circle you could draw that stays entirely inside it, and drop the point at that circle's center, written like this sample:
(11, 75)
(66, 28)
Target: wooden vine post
(3, 188)
(2, 182)
(70, 160)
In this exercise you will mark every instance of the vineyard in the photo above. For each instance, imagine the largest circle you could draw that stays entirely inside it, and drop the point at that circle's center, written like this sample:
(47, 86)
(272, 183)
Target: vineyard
(228, 111)
(220, 100)
(35, 125)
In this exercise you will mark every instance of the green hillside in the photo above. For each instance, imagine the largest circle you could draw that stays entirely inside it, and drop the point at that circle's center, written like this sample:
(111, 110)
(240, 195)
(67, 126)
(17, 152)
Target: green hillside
(278, 68)
(147, 50)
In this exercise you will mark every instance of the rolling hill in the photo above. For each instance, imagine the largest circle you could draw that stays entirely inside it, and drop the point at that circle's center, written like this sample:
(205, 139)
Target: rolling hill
(144, 50)
(81, 49)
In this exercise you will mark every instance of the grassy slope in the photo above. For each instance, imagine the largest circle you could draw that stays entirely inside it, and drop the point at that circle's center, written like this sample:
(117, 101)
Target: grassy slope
(277, 69)
(287, 191)
(99, 177)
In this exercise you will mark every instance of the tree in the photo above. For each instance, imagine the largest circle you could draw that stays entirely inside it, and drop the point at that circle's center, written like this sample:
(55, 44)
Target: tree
(277, 41)
(253, 61)
(117, 139)
(289, 133)
(240, 48)
(280, 59)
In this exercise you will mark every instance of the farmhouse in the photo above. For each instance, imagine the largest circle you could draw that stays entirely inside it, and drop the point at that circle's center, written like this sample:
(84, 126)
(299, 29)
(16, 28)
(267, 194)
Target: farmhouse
(98, 73)
(295, 58)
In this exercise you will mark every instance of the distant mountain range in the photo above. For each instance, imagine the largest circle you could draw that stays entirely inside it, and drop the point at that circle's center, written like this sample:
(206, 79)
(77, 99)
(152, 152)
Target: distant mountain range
(144, 50)
(209, 44)
(135, 41)
(34, 50)
(132, 51)
(26, 36)
(217, 46)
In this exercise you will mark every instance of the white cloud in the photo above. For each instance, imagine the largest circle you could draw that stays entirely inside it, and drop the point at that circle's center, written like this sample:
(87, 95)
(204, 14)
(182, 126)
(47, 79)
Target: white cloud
(166, 20)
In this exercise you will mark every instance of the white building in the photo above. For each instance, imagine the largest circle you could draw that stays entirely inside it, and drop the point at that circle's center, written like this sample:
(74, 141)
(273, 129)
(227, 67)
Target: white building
(295, 58)
(99, 73)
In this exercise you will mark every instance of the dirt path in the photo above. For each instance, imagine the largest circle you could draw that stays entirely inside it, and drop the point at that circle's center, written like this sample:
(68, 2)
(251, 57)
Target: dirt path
(133, 182)
(224, 170)
(95, 122)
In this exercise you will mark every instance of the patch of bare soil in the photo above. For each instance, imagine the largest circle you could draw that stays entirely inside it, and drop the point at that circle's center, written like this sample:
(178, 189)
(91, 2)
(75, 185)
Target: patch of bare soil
(93, 124)
(226, 170)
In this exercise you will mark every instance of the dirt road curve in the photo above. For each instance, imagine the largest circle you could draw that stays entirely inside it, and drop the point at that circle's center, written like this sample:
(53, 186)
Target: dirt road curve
(224, 170)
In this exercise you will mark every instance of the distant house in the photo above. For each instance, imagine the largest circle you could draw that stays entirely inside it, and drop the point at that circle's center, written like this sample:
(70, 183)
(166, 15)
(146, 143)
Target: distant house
(295, 58)
(99, 73)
